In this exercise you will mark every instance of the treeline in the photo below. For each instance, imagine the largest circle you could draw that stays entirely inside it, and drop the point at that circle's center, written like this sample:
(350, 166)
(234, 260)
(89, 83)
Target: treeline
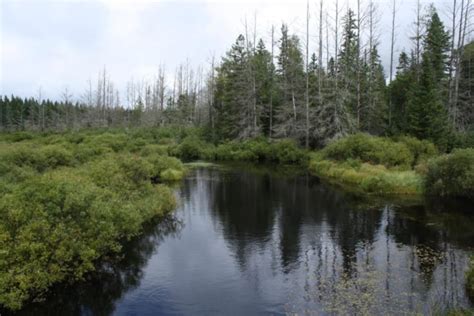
(283, 90)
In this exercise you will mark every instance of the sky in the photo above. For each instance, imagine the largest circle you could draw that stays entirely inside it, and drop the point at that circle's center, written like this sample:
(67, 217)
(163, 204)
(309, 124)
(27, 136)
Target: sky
(61, 44)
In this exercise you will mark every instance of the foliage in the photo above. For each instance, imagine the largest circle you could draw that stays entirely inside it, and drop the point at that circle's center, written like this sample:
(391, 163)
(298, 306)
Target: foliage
(68, 200)
(422, 150)
(452, 174)
(192, 148)
(367, 178)
(370, 149)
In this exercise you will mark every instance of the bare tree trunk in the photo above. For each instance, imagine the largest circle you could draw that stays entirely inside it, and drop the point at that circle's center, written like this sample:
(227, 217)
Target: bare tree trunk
(358, 64)
(271, 84)
(307, 76)
(392, 44)
(462, 35)
(320, 57)
(452, 62)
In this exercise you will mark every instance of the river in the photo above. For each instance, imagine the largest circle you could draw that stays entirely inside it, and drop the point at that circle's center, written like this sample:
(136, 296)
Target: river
(250, 241)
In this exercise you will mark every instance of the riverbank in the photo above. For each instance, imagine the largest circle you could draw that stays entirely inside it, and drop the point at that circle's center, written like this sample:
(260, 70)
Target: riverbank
(68, 199)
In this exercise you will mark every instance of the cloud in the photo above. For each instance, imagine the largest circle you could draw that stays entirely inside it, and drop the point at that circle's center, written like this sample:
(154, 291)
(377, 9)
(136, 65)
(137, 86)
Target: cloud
(53, 44)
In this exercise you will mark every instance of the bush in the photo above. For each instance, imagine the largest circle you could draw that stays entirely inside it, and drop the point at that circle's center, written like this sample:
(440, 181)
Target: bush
(452, 174)
(461, 140)
(260, 150)
(192, 148)
(173, 167)
(422, 150)
(171, 175)
(40, 159)
(370, 149)
(287, 152)
(54, 226)
(367, 178)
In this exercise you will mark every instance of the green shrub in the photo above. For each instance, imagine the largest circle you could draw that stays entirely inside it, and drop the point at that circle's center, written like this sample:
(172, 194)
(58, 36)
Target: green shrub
(452, 174)
(153, 149)
(54, 226)
(422, 150)
(116, 142)
(370, 149)
(287, 152)
(367, 178)
(192, 148)
(171, 175)
(461, 140)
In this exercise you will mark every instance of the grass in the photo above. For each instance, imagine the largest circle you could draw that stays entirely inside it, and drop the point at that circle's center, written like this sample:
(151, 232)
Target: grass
(367, 178)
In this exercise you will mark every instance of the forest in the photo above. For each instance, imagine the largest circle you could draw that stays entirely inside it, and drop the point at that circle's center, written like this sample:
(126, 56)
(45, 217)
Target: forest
(281, 90)
(80, 174)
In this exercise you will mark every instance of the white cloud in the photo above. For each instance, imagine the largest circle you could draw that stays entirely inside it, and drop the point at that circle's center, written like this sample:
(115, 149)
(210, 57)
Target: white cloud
(57, 43)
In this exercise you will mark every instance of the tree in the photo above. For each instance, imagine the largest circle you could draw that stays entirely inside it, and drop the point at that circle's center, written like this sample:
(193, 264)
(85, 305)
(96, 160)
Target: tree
(234, 93)
(436, 47)
(427, 117)
(290, 73)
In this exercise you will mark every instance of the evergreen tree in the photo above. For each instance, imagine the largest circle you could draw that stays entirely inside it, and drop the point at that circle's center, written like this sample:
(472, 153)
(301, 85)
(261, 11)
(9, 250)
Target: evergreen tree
(263, 67)
(427, 117)
(233, 92)
(399, 94)
(291, 78)
(436, 46)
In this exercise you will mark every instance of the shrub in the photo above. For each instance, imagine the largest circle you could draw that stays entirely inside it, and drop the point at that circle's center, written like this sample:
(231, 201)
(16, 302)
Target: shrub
(171, 175)
(116, 142)
(452, 174)
(192, 148)
(54, 226)
(422, 150)
(159, 164)
(370, 149)
(40, 159)
(287, 152)
(153, 149)
(462, 140)
(364, 177)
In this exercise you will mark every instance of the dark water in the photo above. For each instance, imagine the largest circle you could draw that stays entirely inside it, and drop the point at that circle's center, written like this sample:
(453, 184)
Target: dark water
(252, 242)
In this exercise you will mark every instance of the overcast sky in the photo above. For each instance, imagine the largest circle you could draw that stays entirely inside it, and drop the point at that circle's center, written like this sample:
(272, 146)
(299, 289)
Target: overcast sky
(58, 44)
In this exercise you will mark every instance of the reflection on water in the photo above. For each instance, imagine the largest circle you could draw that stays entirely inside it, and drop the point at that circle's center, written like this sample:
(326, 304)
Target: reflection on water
(258, 243)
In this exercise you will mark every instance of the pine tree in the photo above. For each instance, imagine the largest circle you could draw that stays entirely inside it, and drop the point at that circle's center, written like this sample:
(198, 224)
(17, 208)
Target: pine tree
(427, 117)
(290, 73)
(233, 93)
(436, 46)
(263, 67)
(399, 94)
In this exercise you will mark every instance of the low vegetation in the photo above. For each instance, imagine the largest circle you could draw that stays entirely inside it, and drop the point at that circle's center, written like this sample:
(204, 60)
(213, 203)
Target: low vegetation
(452, 175)
(403, 165)
(69, 199)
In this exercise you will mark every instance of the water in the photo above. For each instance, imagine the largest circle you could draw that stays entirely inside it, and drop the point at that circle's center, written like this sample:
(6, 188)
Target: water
(254, 242)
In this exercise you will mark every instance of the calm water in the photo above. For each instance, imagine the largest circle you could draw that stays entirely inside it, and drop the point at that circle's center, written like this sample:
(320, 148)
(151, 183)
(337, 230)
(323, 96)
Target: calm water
(245, 243)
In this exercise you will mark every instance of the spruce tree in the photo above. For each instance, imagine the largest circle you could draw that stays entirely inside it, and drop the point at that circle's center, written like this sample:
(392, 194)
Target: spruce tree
(436, 46)
(427, 117)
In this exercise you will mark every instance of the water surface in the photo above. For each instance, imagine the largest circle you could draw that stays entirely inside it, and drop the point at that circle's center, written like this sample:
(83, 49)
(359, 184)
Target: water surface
(255, 242)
